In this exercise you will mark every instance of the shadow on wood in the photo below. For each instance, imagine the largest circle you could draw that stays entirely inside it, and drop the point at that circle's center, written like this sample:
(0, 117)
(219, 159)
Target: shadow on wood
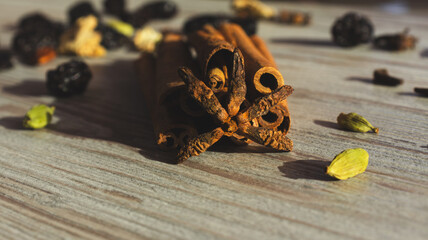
(306, 169)
(361, 79)
(13, 123)
(29, 87)
(327, 124)
(305, 42)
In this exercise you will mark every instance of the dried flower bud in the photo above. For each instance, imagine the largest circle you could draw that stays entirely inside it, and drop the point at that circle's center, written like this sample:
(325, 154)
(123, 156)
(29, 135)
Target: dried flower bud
(348, 163)
(146, 39)
(355, 122)
(38, 116)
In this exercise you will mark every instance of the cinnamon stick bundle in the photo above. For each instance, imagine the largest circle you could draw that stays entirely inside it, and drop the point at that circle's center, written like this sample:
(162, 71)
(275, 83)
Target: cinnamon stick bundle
(162, 86)
(262, 76)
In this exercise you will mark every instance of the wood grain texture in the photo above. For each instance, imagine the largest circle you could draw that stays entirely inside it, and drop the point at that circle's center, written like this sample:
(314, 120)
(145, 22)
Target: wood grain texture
(96, 174)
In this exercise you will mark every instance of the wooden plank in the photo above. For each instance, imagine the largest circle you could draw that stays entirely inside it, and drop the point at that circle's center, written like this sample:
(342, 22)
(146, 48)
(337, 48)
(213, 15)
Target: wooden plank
(96, 174)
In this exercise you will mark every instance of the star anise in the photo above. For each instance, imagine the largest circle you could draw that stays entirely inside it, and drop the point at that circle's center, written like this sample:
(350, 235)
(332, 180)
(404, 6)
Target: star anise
(230, 119)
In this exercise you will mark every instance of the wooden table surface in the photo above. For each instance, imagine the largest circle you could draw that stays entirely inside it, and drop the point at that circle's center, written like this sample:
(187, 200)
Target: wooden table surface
(95, 173)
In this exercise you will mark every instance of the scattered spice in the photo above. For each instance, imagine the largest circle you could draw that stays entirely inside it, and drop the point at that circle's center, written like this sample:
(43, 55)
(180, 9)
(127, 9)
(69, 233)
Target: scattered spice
(355, 122)
(5, 56)
(154, 10)
(395, 42)
(111, 39)
(122, 27)
(82, 39)
(146, 39)
(381, 77)
(38, 116)
(81, 9)
(352, 29)
(348, 163)
(114, 7)
(35, 46)
(198, 22)
(422, 91)
(68, 79)
(255, 9)
(293, 18)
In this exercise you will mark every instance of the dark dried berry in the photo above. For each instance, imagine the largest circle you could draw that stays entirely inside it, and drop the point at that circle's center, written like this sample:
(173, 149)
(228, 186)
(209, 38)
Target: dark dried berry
(68, 79)
(39, 22)
(81, 9)
(195, 23)
(395, 42)
(351, 30)
(154, 10)
(35, 47)
(5, 56)
(381, 77)
(114, 7)
(111, 38)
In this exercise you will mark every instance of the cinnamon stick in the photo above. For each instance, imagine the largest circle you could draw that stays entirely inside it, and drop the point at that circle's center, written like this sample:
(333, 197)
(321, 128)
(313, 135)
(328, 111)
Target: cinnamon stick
(161, 87)
(279, 116)
(215, 56)
(262, 77)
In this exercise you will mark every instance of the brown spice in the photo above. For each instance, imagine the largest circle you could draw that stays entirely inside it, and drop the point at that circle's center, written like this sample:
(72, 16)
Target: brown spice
(279, 116)
(381, 77)
(230, 124)
(422, 91)
(396, 42)
(161, 87)
(293, 18)
(213, 52)
(262, 77)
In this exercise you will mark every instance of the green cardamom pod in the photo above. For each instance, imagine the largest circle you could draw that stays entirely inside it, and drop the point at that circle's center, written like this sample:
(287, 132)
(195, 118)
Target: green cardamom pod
(38, 116)
(355, 122)
(348, 163)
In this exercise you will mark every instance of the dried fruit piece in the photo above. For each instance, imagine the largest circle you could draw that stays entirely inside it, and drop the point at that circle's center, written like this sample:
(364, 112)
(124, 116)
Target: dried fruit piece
(111, 38)
(35, 47)
(122, 27)
(146, 39)
(355, 122)
(381, 77)
(81, 9)
(252, 9)
(38, 116)
(351, 30)
(348, 163)
(154, 10)
(82, 40)
(114, 7)
(5, 56)
(395, 42)
(68, 79)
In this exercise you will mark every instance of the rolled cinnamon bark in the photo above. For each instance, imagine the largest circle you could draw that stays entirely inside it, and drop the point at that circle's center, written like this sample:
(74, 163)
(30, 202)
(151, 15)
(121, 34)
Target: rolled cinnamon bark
(279, 116)
(161, 89)
(215, 57)
(261, 75)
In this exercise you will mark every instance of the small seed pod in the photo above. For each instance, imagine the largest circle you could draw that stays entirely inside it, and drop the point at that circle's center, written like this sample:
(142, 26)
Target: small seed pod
(352, 29)
(422, 91)
(355, 123)
(38, 116)
(348, 163)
